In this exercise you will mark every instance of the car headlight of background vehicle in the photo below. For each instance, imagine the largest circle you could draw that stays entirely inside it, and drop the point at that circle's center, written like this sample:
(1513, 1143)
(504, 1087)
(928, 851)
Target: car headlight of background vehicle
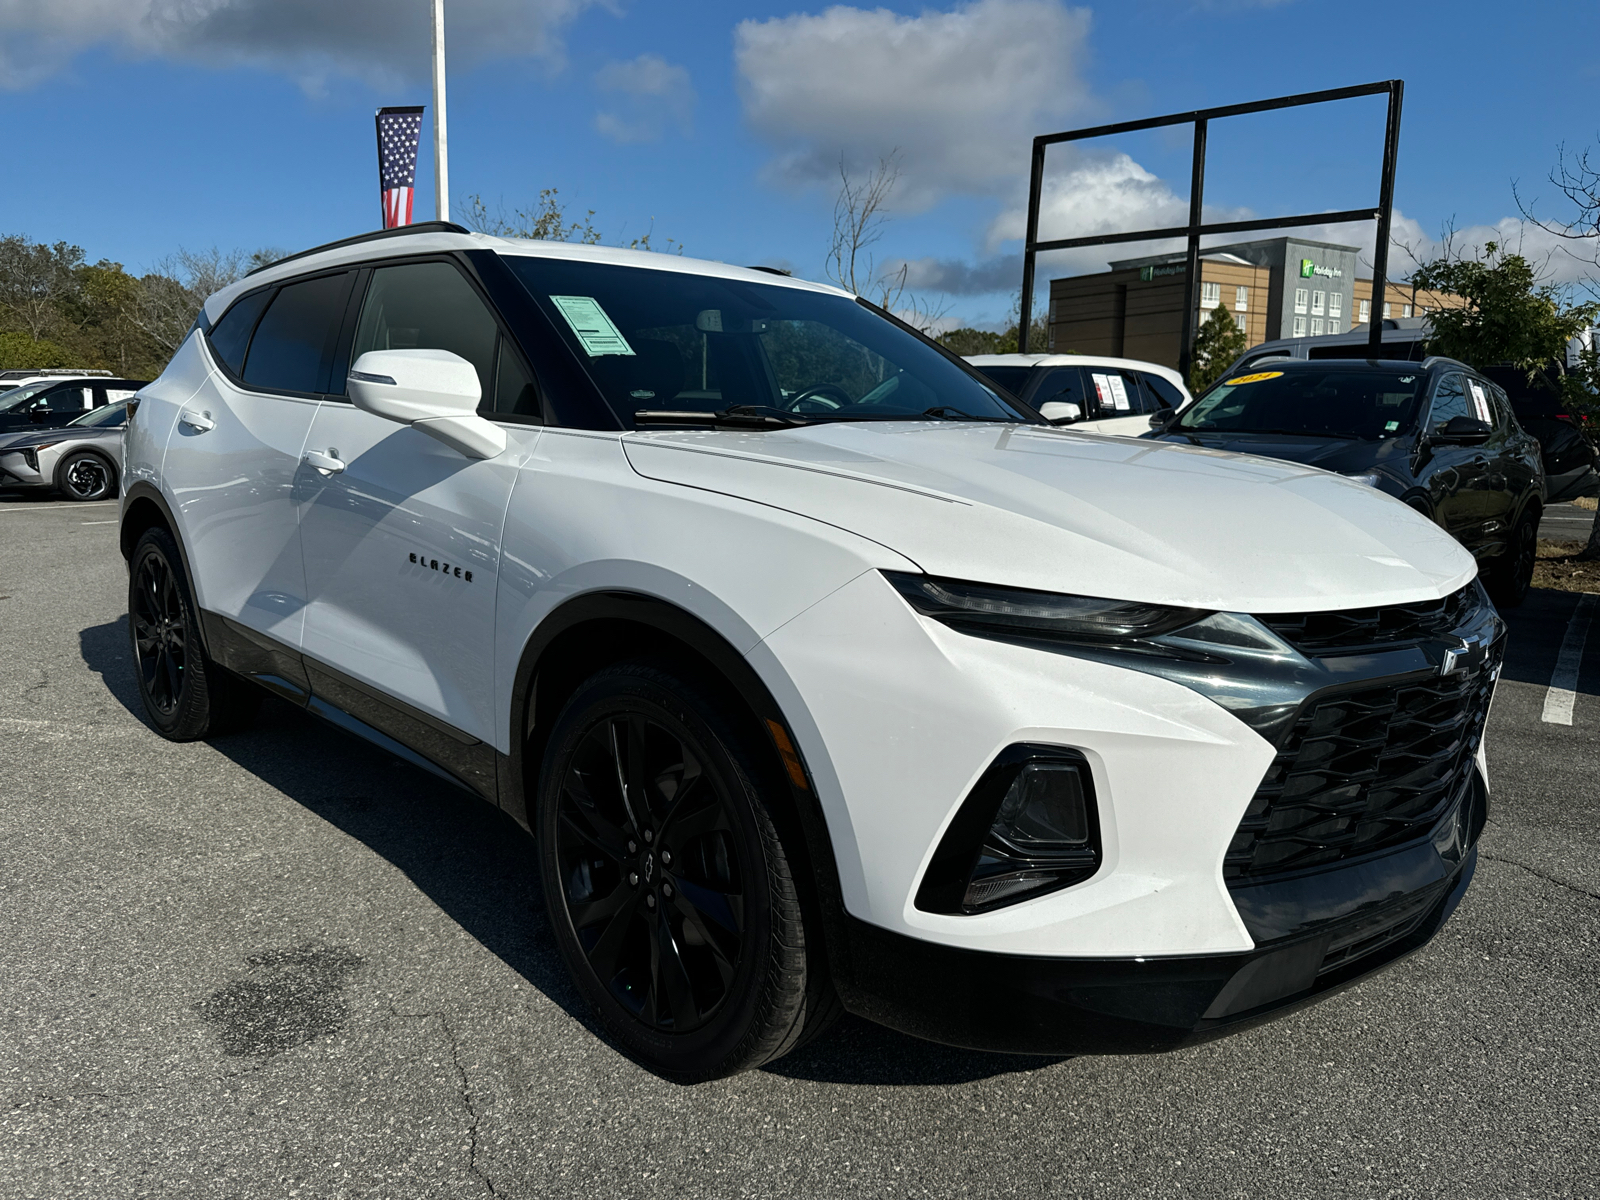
(1371, 480)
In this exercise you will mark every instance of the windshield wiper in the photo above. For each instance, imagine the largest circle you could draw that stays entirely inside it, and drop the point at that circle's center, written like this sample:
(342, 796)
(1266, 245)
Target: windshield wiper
(1343, 437)
(738, 416)
(946, 412)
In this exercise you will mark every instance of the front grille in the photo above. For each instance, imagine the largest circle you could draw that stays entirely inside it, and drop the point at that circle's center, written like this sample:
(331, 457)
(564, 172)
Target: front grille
(1359, 628)
(1364, 770)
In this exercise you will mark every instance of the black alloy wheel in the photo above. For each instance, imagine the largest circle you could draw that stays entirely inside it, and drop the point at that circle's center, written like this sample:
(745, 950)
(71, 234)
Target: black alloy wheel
(86, 476)
(1513, 574)
(185, 695)
(666, 880)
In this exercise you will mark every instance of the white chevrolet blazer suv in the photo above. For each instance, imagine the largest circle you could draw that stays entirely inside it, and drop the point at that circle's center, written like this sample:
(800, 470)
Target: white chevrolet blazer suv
(825, 677)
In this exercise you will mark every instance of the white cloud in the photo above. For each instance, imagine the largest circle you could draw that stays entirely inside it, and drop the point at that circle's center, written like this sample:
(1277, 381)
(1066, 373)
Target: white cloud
(959, 93)
(381, 41)
(650, 93)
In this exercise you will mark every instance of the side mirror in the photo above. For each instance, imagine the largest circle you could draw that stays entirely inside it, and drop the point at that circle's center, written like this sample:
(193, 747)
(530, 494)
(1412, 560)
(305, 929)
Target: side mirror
(1160, 420)
(433, 391)
(1461, 431)
(1060, 412)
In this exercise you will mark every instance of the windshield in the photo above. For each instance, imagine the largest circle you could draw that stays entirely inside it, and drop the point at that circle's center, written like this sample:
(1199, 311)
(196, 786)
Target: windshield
(1013, 379)
(27, 391)
(671, 340)
(1364, 405)
(110, 416)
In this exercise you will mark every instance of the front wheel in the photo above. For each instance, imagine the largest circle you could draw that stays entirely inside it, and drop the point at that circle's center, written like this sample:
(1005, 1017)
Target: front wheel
(185, 695)
(668, 887)
(86, 476)
(1512, 576)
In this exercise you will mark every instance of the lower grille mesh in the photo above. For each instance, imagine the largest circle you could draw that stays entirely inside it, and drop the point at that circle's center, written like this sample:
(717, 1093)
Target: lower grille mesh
(1362, 771)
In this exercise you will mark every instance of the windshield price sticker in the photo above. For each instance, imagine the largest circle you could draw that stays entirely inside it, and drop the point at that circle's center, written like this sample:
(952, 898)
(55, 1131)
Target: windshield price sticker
(594, 329)
(1111, 392)
(1256, 378)
(1102, 390)
(1119, 393)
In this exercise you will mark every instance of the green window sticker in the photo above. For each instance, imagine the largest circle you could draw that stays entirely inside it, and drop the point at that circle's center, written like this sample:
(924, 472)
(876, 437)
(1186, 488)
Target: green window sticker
(1391, 426)
(594, 329)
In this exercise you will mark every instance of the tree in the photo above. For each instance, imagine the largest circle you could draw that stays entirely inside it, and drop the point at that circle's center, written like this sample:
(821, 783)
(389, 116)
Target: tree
(859, 217)
(34, 279)
(546, 221)
(1217, 347)
(170, 296)
(19, 351)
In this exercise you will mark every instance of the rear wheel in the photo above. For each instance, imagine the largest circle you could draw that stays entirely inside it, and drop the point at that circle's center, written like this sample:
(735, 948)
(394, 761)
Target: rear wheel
(669, 889)
(1512, 575)
(86, 476)
(185, 695)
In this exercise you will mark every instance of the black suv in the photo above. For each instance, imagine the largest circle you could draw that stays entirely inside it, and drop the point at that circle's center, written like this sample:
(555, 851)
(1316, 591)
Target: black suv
(1436, 434)
(52, 403)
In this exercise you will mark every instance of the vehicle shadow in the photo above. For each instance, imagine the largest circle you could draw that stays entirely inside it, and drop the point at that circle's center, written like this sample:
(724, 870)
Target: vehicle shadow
(479, 867)
(1535, 631)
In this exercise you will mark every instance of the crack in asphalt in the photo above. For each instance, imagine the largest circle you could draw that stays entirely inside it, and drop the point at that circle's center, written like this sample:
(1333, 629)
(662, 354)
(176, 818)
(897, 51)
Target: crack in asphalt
(465, 1092)
(1582, 891)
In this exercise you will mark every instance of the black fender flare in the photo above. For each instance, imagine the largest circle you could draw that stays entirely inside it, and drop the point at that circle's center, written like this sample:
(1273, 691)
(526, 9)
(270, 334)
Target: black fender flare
(142, 491)
(684, 627)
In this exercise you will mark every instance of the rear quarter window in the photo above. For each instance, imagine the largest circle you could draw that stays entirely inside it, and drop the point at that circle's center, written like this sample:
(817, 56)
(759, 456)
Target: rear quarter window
(231, 335)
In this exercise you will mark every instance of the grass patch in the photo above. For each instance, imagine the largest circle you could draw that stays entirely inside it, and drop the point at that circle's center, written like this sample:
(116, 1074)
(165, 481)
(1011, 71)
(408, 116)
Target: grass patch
(1588, 502)
(1558, 567)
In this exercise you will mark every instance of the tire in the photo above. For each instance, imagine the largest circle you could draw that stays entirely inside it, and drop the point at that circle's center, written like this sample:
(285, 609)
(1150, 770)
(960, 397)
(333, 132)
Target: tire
(1512, 574)
(682, 926)
(86, 476)
(185, 695)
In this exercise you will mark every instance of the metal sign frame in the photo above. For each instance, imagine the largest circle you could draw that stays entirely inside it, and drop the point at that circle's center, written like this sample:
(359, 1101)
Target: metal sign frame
(1196, 229)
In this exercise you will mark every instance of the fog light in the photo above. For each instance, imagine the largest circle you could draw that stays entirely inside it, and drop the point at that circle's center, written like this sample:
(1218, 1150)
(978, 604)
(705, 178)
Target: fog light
(1028, 827)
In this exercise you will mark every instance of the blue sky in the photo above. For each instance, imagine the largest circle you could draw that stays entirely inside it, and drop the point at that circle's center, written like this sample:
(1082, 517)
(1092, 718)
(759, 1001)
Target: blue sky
(246, 123)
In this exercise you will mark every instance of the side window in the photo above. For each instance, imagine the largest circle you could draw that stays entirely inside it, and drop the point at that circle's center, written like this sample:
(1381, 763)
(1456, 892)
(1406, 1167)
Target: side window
(513, 389)
(231, 335)
(1482, 406)
(1166, 393)
(428, 306)
(68, 400)
(1064, 385)
(1116, 393)
(1505, 415)
(1449, 400)
(293, 345)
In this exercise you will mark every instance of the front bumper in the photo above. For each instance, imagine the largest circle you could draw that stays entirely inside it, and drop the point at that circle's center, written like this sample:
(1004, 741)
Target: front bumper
(1334, 928)
(16, 473)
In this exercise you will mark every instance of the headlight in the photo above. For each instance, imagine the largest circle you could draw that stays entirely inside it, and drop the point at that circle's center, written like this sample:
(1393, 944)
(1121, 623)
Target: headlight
(1371, 481)
(985, 609)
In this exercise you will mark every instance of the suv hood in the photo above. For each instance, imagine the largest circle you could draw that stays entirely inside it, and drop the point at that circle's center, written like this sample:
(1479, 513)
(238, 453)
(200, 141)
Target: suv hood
(1051, 509)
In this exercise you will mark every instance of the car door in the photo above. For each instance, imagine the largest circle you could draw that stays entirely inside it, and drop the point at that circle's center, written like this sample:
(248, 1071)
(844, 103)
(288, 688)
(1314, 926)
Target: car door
(1452, 476)
(401, 534)
(1495, 498)
(1118, 401)
(231, 465)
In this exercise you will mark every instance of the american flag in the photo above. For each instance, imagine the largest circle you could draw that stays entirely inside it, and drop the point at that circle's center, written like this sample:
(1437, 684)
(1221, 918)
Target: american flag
(399, 130)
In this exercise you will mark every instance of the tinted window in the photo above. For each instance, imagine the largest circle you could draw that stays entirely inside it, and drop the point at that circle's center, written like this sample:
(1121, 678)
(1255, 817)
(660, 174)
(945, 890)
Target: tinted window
(1013, 379)
(231, 335)
(72, 400)
(1482, 405)
(1063, 385)
(1448, 402)
(1166, 394)
(513, 389)
(1369, 405)
(294, 343)
(674, 340)
(427, 306)
(1114, 393)
(112, 416)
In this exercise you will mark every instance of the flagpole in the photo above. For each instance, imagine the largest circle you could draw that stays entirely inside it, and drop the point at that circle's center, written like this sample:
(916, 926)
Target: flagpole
(441, 146)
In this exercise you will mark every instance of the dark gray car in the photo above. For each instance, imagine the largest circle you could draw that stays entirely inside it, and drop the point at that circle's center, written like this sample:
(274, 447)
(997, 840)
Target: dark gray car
(82, 460)
(1436, 435)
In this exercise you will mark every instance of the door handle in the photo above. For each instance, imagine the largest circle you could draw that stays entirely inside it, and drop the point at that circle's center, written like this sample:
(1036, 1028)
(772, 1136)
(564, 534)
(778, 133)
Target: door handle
(328, 464)
(197, 421)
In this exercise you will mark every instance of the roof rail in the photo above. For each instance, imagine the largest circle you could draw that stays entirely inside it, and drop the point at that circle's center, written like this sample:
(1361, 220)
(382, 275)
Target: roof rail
(374, 236)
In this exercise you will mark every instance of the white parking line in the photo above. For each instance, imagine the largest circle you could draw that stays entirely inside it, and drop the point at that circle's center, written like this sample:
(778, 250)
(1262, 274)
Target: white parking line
(1563, 693)
(38, 508)
(96, 522)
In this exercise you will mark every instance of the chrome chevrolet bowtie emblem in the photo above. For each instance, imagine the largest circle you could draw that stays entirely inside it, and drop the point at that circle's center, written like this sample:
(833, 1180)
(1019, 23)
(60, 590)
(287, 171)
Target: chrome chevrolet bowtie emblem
(1454, 654)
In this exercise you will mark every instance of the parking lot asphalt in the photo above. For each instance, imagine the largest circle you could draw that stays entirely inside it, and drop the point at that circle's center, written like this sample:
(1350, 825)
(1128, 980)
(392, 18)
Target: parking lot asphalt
(1566, 523)
(282, 963)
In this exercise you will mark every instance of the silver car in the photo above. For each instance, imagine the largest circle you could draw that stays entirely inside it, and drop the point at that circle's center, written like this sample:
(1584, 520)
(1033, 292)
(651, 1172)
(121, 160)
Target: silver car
(82, 459)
